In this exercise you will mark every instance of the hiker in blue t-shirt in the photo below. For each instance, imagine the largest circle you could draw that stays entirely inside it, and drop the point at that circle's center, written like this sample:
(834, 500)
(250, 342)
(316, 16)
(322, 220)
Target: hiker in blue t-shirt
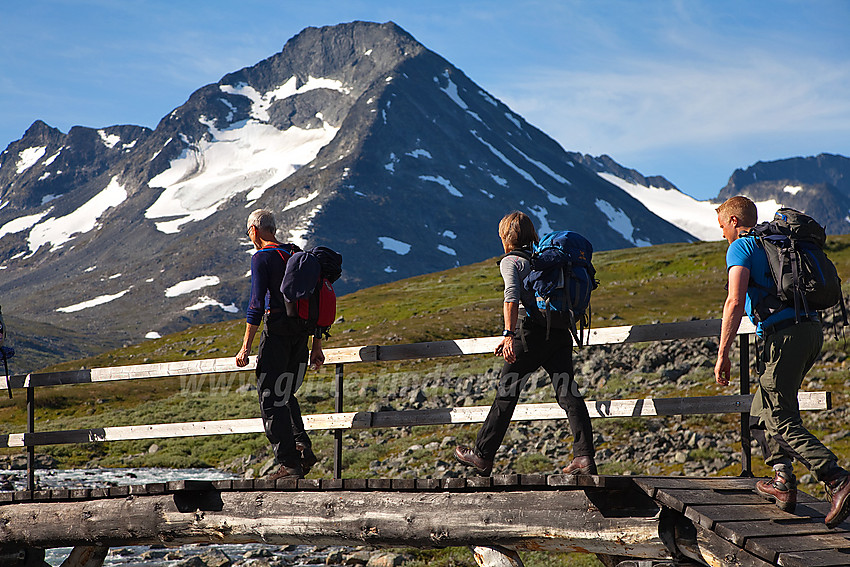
(790, 349)
(526, 346)
(283, 355)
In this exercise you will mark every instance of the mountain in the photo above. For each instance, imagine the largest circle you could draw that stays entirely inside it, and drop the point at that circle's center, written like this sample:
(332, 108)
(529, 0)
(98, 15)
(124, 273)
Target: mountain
(819, 186)
(657, 194)
(356, 136)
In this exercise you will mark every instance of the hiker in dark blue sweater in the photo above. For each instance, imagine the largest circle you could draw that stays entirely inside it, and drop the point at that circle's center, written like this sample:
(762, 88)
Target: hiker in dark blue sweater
(527, 346)
(283, 354)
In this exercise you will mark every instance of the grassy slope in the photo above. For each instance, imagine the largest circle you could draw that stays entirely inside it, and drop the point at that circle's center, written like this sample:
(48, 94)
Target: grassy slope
(638, 285)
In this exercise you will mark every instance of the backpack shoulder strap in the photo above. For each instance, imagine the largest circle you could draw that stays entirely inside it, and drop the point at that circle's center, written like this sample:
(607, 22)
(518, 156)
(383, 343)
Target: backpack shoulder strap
(521, 253)
(282, 251)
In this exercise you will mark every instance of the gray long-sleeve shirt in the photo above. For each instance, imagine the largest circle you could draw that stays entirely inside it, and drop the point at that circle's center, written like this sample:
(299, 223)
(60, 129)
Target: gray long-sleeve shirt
(514, 269)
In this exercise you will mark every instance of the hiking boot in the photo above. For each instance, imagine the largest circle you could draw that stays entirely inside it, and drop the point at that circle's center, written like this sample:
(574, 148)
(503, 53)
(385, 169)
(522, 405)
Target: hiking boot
(467, 456)
(308, 457)
(837, 491)
(287, 472)
(581, 465)
(781, 489)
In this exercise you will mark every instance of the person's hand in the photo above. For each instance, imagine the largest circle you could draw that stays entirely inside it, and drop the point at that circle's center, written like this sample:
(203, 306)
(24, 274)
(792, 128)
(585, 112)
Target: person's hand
(242, 357)
(506, 349)
(722, 370)
(317, 357)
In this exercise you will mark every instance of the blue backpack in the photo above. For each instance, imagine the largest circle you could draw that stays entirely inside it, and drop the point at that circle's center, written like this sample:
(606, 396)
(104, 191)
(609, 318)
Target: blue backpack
(562, 278)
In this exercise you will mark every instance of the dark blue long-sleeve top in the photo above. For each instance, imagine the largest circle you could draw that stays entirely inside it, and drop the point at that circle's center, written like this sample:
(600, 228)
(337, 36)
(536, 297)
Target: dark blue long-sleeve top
(267, 268)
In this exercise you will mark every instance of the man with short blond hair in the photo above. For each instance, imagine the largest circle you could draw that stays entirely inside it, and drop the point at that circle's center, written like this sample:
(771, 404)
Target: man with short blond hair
(791, 346)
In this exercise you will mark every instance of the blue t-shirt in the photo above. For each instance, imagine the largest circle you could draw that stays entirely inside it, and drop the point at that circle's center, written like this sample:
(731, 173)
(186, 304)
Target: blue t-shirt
(747, 252)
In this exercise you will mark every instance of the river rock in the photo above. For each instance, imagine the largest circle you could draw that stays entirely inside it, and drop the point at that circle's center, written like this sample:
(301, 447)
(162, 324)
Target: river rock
(385, 559)
(216, 558)
(192, 562)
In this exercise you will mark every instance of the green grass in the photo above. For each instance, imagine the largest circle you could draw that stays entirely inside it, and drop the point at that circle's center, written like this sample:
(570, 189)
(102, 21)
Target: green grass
(637, 285)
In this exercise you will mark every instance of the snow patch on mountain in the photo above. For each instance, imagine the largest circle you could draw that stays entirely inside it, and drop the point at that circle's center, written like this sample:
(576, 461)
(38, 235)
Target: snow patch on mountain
(444, 182)
(206, 301)
(52, 158)
(301, 201)
(59, 230)
(188, 286)
(793, 189)
(698, 218)
(298, 235)
(620, 221)
(21, 224)
(260, 103)
(109, 140)
(100, 300)
(541, 213)
(397, 246)
(29, 157)
(543, 167)
(452, 91)
(766, 210)
(249, 157)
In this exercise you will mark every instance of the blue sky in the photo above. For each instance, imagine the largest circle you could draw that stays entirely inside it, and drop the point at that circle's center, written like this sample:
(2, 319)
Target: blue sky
(690, 90)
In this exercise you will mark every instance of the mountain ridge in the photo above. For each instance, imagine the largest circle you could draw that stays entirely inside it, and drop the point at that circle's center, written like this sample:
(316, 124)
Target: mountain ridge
(357, 136)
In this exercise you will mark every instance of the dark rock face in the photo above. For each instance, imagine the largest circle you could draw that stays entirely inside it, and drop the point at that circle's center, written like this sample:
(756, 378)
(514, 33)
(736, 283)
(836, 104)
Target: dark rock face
(819, 186)
(356, 136)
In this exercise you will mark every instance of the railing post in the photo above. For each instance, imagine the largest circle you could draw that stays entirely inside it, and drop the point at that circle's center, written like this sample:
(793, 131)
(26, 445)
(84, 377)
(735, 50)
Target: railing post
(30, 430)
(338, 383)
(746, 449)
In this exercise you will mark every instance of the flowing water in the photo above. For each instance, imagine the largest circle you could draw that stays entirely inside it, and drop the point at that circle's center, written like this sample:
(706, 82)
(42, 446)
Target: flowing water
(138, 556)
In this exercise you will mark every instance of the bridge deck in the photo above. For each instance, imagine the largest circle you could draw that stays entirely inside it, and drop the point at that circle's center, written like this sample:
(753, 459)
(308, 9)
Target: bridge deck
(730, 518)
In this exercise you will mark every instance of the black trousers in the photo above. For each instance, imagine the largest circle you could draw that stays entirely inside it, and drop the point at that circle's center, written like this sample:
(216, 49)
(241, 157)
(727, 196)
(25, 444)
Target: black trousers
(555, 355)
(281, 365)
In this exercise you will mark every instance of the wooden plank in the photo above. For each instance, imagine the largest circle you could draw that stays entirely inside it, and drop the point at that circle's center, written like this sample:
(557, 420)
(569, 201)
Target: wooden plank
(405, 418)
(309, 484)
(506, 480)
(404, 484)
(678, 499)
(479, 482)
(816, 558)
(428, 484)
(769, 548)
(332, 484)
(651, 484)
(711, 549)
(366, 353)
(726, 513)
(738, 532)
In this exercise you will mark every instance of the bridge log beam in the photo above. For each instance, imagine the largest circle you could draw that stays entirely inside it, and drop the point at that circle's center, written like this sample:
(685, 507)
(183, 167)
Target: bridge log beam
(568, 520)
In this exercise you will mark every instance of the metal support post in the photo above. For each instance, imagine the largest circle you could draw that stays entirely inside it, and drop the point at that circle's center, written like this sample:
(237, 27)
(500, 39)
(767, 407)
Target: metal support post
(746, 448)
(30, 430)
(338, 384)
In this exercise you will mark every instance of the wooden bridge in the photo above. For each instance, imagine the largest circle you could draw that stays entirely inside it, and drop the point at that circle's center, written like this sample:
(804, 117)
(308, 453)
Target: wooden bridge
(627, 521)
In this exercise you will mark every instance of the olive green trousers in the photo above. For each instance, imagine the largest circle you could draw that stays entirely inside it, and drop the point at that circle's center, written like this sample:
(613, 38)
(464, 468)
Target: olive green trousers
(788, 356)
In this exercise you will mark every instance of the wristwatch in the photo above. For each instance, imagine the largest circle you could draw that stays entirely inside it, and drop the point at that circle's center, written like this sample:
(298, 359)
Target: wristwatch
(507, 333)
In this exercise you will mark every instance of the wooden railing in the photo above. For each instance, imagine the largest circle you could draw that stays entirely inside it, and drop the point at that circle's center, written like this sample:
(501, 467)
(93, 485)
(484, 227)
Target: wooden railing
(339, 421)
